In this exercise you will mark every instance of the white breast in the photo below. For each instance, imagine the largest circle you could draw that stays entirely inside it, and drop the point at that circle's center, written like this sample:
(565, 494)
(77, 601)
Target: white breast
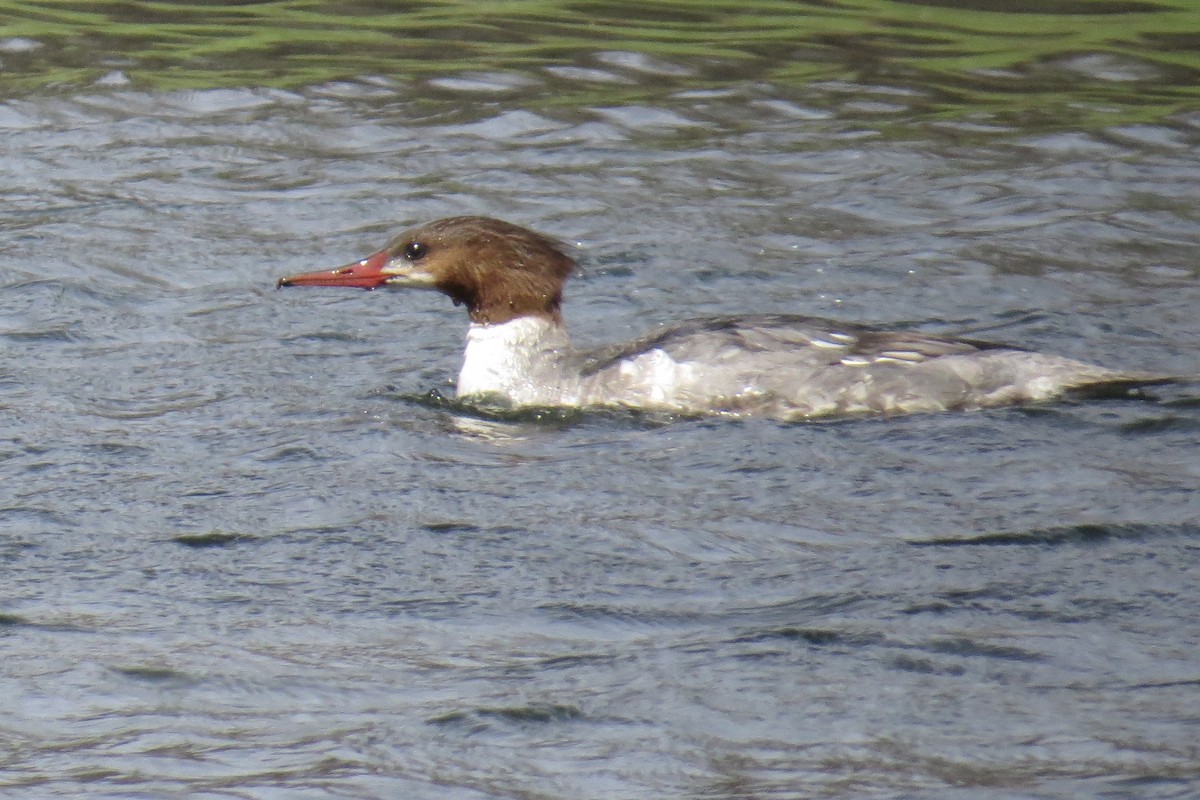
(520, 360)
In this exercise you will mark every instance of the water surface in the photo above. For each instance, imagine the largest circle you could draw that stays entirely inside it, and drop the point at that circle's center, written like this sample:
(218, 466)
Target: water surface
(246, 555)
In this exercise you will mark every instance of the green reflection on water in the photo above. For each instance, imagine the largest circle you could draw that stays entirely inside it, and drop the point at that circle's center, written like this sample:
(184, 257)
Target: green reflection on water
(1106, 61)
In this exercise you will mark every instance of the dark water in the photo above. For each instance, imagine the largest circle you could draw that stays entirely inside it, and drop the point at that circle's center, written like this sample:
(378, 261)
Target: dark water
(245, 556)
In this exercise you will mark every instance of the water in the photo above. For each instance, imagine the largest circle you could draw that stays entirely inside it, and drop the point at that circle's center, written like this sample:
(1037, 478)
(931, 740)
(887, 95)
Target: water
(246, 555)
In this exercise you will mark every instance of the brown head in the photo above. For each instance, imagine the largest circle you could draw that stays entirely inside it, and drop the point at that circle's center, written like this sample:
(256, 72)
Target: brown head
(496, 269)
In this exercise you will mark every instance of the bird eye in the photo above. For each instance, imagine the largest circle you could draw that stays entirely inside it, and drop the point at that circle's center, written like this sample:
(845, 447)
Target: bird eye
(414, 251)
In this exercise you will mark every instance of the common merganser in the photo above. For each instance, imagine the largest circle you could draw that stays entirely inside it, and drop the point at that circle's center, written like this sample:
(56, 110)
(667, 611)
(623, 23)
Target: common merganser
(517, 350)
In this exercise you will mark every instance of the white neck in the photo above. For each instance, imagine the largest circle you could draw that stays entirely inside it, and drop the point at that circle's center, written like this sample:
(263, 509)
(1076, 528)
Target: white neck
(521, 360)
